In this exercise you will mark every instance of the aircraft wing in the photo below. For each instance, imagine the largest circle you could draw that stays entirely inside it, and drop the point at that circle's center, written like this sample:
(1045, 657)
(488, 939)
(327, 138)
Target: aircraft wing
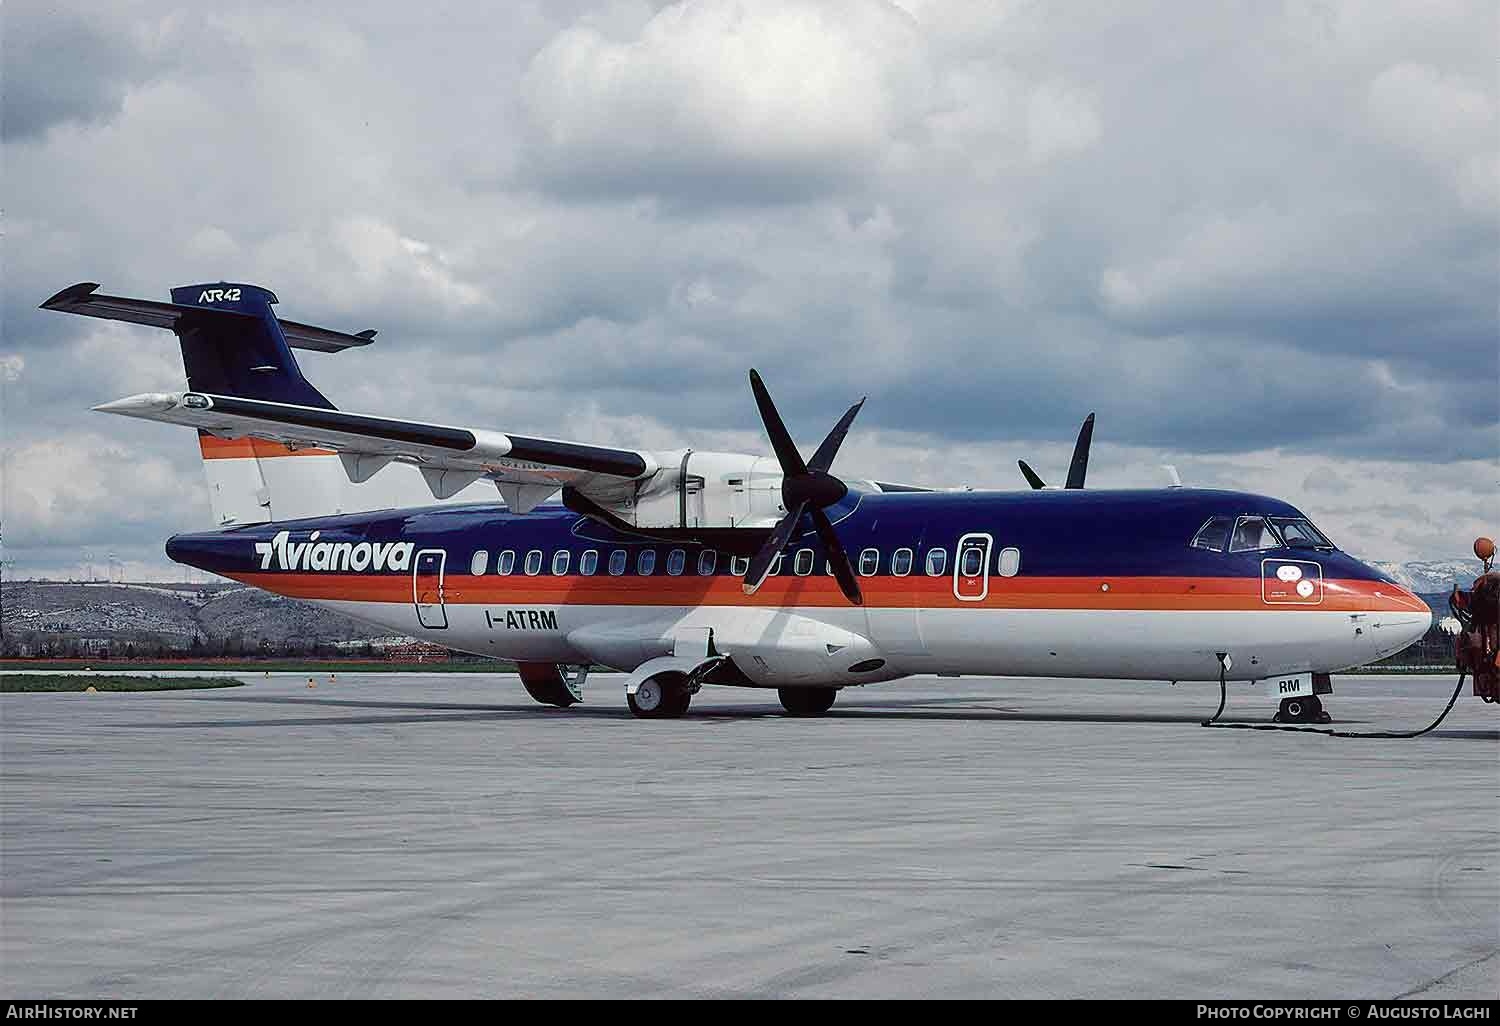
(526, 470)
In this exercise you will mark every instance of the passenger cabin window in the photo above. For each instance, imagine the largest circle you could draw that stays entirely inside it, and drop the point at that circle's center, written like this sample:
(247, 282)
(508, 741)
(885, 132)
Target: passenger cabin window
(708, 562)
(1214, 535)
(560, 561)
(804, 562)
(645, 563)
(739, 565)
(505, 562)
(1298, 533)
(1251, 534)
(588, 563)
(869, 562)
(901, 562)
(776, 565)
(533, 562)
(676, 560)
(973, 562)
(937, 562)
(479, 563)
(1010, 562)
(617, 560)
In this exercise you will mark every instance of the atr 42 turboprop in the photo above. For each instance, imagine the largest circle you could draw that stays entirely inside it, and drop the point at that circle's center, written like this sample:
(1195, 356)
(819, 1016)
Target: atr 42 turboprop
(686, 568)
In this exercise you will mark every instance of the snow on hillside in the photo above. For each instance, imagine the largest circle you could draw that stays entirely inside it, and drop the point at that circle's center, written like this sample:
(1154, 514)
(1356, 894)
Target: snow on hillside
(1431, 576)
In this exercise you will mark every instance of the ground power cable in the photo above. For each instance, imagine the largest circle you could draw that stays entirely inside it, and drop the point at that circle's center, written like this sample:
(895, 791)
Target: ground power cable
(1224, 696)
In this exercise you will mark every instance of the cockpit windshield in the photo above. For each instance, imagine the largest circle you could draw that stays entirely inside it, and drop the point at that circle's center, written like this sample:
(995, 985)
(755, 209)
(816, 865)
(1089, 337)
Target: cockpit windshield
(1298, 533)
(1252, 534)
(1256, 534)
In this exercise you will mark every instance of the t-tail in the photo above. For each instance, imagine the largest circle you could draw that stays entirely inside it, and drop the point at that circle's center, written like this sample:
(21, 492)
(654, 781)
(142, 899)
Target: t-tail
(233, 344)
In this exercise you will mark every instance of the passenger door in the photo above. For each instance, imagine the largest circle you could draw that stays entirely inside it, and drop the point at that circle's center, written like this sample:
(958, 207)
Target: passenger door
(427, 588)
(971, 568)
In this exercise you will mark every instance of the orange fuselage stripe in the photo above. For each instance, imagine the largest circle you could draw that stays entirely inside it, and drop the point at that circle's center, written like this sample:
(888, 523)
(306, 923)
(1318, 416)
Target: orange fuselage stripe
(1133, 593)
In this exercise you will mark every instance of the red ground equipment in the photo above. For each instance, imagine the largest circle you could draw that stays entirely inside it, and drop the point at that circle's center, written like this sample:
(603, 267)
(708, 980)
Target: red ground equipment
(1476, 648)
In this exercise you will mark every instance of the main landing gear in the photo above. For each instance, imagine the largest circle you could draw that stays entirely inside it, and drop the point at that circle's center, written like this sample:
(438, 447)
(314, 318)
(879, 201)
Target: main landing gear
(551, 684)
(665, 696)
(807, 701)
(1302, 710)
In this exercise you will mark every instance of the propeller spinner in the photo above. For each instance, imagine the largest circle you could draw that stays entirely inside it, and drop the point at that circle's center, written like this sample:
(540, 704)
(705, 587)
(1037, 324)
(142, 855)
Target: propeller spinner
(1078, 469)
(807, 489)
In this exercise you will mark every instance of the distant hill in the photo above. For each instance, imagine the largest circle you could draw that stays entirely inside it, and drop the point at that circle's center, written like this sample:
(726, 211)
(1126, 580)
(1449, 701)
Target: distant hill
(170, 616)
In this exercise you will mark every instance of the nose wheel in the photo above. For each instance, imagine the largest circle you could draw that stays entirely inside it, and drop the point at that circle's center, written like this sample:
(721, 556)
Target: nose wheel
(1302, 710)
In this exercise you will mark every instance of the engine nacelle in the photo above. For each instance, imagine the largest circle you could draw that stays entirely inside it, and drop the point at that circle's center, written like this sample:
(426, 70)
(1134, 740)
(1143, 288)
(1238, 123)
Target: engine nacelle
(776, 649)
(698, 489)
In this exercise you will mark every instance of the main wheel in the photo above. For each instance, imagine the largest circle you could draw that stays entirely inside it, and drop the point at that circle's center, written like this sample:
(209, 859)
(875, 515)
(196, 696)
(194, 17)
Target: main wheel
(662, 697)
(544, 682)
(807, 701)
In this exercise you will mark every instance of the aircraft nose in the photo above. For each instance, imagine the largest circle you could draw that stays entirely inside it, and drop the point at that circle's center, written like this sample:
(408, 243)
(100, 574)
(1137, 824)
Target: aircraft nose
(1402, 617)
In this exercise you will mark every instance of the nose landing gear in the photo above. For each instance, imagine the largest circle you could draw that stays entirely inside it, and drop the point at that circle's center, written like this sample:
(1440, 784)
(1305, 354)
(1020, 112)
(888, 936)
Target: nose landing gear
(1307, 709)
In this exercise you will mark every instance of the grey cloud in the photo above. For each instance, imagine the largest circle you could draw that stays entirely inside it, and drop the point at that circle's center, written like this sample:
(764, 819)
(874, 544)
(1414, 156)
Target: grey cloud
(63, 66)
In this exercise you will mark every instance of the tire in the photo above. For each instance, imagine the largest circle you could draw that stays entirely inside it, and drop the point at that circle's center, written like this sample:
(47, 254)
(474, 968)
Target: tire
(1301, 710)
(544, 682)
(807, 701)
(661, 697)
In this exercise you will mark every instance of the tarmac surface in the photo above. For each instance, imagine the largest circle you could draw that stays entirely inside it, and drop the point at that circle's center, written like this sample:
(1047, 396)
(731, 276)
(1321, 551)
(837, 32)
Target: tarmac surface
(442, 836)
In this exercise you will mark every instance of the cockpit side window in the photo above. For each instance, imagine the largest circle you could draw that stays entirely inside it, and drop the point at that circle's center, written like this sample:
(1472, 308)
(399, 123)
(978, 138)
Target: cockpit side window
(1298, 533)
(1214, 535)
(1251, 534)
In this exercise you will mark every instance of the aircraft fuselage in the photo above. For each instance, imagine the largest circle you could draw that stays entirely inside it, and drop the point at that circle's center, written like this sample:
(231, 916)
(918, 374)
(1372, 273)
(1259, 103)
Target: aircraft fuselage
(1043, 583)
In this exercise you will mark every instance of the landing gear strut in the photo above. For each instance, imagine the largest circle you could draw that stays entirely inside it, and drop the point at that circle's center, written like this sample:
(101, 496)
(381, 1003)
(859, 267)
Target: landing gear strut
(807, 701)
(1302, 710)
(665, 696)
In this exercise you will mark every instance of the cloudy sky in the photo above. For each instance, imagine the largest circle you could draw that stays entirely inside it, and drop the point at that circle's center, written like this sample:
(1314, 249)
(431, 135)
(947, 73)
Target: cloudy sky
(1261, 239)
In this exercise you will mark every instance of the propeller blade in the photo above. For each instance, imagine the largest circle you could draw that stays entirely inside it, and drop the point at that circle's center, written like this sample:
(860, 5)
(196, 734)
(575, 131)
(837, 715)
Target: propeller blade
(1080, 467)
(1032, 478)
(781, 441)
(760, 563)
(838, 559)
(823, 458)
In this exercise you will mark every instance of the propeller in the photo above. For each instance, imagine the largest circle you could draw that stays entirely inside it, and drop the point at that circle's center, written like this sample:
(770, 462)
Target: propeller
(1079, 468)
(807, 489)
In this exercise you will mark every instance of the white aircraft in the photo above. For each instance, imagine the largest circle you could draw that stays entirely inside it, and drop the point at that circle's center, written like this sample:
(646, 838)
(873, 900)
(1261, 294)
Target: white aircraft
(689, 568)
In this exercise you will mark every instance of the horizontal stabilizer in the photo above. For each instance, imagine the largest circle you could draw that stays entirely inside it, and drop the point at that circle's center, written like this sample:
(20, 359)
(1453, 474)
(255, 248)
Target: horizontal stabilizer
(84, 299)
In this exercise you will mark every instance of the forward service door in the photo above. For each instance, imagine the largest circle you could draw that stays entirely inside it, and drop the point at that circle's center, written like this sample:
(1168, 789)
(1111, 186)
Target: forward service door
(427, 588)
(971, 568)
